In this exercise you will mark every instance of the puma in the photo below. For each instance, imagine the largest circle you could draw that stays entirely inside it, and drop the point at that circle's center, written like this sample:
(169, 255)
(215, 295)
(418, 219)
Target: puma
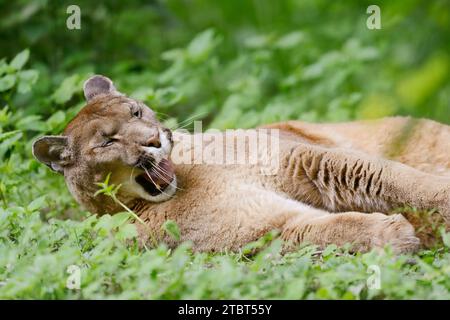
(334, 183)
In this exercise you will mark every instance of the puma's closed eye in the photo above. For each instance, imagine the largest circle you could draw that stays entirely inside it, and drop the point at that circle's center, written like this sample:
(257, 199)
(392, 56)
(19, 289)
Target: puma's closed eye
(137, 113)
(107, 143)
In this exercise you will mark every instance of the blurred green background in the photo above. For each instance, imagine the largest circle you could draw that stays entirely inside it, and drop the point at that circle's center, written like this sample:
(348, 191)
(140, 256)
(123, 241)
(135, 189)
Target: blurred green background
(233, 63)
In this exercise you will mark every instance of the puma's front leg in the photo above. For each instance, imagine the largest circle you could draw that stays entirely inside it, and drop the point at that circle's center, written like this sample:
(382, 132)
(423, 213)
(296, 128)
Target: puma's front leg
(344, 180)
(363, 231)
(261, 211)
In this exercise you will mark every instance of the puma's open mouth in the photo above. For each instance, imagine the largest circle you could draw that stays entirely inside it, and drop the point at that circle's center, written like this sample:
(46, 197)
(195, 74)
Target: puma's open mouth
(157, 178)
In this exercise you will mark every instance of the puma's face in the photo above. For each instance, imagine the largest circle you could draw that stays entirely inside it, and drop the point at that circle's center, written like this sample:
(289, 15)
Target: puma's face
(113, 135)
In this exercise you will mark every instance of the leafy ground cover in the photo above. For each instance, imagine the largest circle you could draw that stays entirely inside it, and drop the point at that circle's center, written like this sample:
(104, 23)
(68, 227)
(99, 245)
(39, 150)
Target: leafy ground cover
(230, 64)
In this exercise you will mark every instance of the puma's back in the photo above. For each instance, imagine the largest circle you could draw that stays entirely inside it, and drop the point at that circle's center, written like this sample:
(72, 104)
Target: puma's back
(420, 143)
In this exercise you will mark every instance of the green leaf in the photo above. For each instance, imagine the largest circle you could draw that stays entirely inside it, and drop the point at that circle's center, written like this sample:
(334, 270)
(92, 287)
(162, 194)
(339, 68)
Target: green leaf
(56, 120)
(172, 229)
(7, 82)
(37, 204)
(167, 97)
(201, 45)
(8, 139)
(128, 231)
(258, 41)
(104, 223)
(4, 67)
(67, 89)
(32, 122)
(290, 40)
(143, 94)
(445, 237)
(9, 134)
(20, 59)
(119, 219)
(172, 55)
(329, 250)
(27, 79)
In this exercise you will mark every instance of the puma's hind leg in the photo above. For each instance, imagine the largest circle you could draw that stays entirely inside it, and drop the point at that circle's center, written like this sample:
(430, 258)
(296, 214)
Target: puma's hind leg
(363, 231)
(342, 180)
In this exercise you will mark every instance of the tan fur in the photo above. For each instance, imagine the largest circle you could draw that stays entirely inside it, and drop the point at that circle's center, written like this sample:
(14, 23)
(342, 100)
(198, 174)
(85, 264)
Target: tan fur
(349, 168)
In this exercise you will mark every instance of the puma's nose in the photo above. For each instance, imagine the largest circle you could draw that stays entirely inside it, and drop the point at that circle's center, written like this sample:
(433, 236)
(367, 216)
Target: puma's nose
(153, 141)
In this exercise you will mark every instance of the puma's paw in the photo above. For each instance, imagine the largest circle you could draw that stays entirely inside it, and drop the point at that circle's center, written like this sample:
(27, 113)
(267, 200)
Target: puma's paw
(396, 231)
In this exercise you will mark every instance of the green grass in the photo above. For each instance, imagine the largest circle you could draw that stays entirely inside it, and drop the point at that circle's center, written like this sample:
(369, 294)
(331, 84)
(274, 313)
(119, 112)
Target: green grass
(231, 64)
(35, 255)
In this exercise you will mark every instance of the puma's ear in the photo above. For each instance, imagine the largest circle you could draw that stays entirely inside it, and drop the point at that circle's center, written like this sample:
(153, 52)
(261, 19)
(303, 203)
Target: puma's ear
(52, 151)
(96, 85)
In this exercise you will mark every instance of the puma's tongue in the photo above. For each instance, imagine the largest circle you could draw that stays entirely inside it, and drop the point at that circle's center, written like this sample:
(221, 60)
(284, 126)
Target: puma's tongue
(161, 175)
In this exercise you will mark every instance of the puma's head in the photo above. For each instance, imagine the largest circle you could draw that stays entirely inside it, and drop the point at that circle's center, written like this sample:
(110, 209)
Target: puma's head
(115, 135)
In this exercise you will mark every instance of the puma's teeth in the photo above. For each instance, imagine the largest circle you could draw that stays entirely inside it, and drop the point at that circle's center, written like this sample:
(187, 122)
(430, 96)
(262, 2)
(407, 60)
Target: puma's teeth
(158, 186)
